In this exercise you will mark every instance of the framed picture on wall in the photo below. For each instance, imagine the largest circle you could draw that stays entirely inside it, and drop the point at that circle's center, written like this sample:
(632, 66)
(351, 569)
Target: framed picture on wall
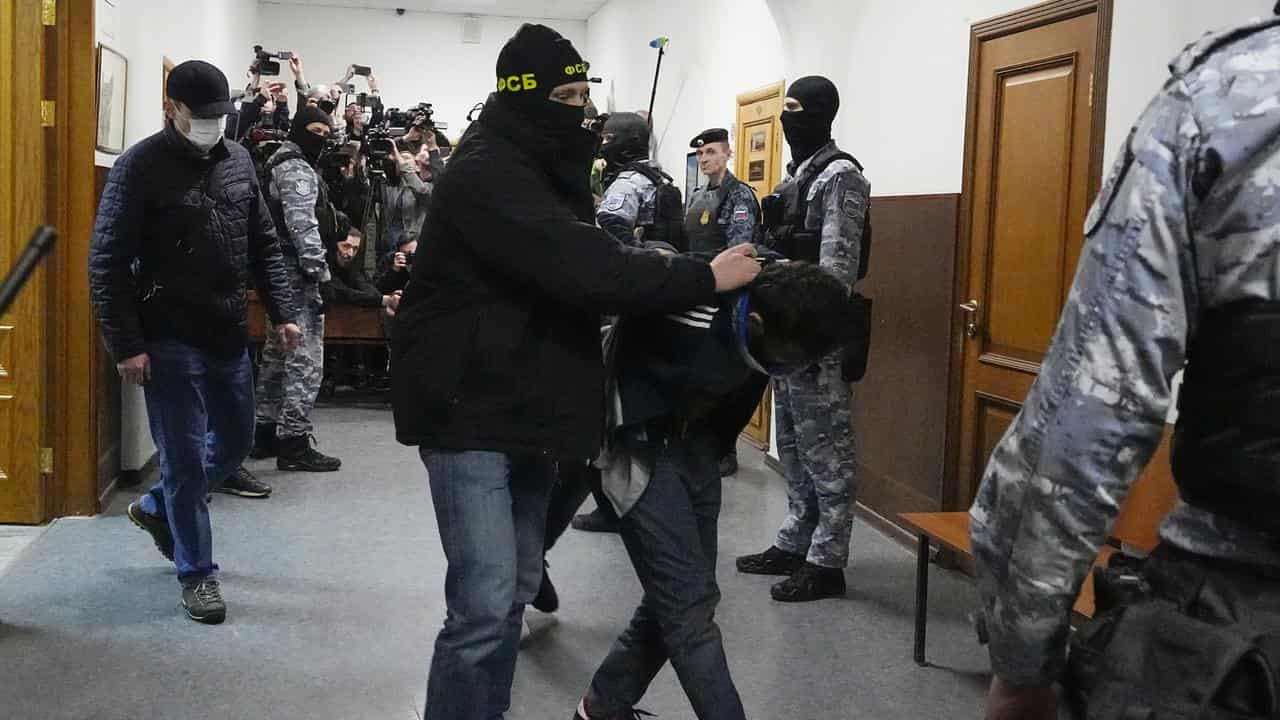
(113, 77)
(691, 176)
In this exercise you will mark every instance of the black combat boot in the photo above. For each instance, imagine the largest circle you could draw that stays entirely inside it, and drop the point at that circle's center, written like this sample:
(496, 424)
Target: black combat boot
(811, 582)
(770, 562)
(547, 600)
(264, 441)
(297, 455)
(729, 464)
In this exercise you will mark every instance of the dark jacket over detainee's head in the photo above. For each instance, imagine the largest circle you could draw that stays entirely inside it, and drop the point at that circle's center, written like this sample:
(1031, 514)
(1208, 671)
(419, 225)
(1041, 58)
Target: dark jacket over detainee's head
(496, 344)
(799, 314)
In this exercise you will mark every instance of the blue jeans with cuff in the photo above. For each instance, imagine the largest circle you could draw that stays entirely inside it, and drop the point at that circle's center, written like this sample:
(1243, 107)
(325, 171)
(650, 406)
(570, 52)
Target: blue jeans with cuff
(200, 408)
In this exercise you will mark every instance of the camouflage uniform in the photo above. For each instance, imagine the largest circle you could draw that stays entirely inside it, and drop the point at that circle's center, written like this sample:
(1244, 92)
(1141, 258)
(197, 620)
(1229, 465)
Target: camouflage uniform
(815, 428)
(629, 202)
(1187, 221)
(289, 381)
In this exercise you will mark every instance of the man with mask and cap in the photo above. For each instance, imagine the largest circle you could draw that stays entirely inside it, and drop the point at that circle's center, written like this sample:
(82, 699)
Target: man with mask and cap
(629, 200)
(181, 229)
(823, 203)
(289, 380)
(723, 213)
(513, 274)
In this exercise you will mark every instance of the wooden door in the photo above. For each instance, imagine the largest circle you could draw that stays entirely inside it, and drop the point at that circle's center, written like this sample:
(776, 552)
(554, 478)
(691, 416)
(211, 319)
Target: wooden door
(1032, 166)
(23, 158)
(758, 152)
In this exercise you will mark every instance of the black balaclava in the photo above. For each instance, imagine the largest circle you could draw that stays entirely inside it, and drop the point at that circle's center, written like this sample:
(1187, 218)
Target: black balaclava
(626, 140)
(809, 129)
(310, 143)
(535, 61)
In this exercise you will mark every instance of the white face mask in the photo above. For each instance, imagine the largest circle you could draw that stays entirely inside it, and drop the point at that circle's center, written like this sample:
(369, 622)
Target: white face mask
(205, 133)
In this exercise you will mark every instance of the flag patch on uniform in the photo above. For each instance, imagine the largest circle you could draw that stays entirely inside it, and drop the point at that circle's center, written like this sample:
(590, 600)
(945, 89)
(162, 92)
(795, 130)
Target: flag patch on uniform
(740, 214)
(850, 203)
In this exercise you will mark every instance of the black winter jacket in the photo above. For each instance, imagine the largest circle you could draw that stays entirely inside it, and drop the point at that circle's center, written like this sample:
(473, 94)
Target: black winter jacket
(497, 342)
(177, 238)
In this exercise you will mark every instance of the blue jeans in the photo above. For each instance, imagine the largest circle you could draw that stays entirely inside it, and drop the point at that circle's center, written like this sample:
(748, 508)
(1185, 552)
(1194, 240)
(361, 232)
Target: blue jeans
(491, 508)
(671, 536)
(200, 408)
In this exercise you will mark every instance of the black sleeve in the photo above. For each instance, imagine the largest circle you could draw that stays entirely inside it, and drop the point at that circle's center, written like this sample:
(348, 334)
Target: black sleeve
(359, 292)
(250, 111)
(531, 237)
(266, 262)
(116, 243)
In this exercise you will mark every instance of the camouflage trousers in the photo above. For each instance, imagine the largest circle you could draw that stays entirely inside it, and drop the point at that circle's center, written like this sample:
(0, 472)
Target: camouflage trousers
(815, 442)
(288, 382)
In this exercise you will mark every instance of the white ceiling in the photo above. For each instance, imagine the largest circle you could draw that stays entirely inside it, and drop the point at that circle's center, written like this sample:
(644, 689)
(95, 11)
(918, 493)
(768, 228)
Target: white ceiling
(549, 9)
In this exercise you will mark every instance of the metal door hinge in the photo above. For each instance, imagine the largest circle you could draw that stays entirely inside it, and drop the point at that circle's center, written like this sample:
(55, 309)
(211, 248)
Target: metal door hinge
(46, 461)
(48, 113)
(1091, 89)
(49, 12)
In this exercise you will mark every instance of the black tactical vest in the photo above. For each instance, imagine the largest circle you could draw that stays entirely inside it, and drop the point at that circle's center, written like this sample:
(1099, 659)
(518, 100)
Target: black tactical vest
(785, 211)
(1226, 446)
(702, 230)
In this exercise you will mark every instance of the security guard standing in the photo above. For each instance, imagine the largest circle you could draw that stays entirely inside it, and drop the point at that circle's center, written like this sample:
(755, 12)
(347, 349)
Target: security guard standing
(630, 195)
(724, 212)
(1179, 271)
(721, 214)
(818, 214)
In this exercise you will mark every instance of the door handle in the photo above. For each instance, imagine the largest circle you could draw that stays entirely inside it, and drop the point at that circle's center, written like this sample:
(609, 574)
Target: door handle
(972, 329)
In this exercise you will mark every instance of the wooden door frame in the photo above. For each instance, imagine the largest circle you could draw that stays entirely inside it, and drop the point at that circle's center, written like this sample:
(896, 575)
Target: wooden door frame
(773, 90)
(1018, 21)
(73, 487)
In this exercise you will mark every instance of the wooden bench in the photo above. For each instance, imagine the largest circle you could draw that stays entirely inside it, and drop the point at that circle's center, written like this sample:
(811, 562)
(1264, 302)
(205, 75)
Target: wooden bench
(1151, 498)
(343, 324)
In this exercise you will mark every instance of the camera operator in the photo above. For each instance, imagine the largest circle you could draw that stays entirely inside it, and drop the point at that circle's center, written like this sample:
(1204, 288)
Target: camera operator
(407, 197)
(267, 108)
(394, 269)
(289, 380)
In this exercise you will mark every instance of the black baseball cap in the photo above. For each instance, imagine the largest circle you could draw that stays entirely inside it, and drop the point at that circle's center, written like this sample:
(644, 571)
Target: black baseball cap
(202, 88)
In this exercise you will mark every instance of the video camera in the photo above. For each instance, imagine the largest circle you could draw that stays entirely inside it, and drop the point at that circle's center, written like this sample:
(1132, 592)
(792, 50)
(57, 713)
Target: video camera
(418, 116)
(264, 63)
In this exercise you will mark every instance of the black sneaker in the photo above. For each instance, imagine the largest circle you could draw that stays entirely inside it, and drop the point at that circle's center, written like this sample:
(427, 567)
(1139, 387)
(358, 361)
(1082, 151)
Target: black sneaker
(244, 484)
(811, 582)
(264, 441)
(158, 528)
(729, 465)
(547, 600)
(297, 455)
(203, 601)
(595, 521)
(770, 562)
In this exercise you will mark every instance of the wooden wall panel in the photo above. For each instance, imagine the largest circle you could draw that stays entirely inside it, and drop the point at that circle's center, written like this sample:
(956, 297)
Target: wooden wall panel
(900, 409)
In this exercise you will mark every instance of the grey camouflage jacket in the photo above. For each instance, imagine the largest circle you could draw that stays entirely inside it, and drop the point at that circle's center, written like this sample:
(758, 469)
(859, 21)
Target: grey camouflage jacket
(297, 186)
(1189, 219)
(838, 202)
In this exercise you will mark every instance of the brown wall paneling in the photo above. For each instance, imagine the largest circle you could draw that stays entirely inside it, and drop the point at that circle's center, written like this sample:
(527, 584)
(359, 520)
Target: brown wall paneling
(900, 409)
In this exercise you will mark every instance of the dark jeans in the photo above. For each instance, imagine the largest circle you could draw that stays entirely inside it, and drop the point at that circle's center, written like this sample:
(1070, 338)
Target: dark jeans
(491, 509)
(670, 535)
(575, 480)
(200, 408)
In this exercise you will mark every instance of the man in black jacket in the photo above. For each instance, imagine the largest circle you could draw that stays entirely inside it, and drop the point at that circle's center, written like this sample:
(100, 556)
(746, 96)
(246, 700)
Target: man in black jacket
(181, 228)
(673, 384)
(497, 364)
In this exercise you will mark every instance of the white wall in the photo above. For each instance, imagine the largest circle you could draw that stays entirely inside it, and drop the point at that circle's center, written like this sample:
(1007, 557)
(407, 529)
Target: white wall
(145, 32)
(417, 57)
(718, 49)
